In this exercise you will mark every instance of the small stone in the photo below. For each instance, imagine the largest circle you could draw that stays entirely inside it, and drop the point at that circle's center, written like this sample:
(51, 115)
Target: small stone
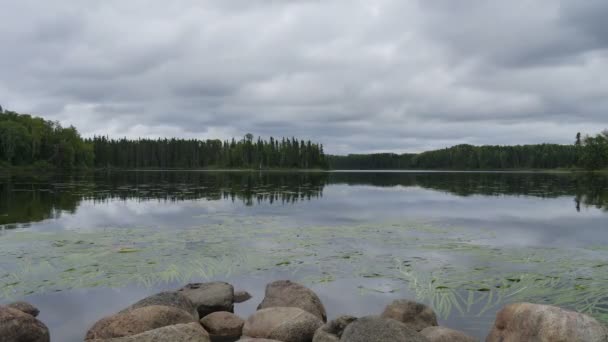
(241, 296)
(16, 325)
(25, 307)
(415, 315)
(285, 293)
(224, 324)
(210, 297)
(378, 329)
(167, 298)
(332, 330)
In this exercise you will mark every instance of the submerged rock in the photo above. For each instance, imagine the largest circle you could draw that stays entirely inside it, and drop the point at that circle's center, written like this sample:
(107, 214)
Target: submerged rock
(210, 297)
(18, 326)
(284, 293)
(137, 321)
(191, 332)
(415, 315)
(544, 323)
(378, 329)
(169, 298)
(332, 330)
(223, 323)
(443, 334)
(25, 307)
(287, 324)
(241, 296)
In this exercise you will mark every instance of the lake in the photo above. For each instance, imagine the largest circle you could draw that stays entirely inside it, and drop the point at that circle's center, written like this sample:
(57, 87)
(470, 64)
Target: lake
(80, 247)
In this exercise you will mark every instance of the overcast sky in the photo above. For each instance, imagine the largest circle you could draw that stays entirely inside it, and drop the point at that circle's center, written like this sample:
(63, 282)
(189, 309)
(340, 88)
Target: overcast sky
(356, 75)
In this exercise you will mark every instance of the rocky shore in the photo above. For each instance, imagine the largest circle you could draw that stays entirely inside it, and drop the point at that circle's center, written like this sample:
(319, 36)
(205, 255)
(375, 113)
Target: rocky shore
(290, 312)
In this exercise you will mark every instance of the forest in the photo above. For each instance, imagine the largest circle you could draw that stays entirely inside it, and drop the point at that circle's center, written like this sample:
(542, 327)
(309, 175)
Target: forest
(32, 141)
(589, 153)
(27, 140)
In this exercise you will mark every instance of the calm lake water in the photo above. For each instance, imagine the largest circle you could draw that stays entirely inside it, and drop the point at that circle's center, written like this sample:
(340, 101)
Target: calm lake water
(82, 247)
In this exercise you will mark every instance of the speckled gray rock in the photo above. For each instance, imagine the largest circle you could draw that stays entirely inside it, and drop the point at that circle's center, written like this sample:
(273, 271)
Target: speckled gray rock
(332, 330)
(415, 315)
(443, 334)
(285, 293)
(25, 307)
(191, 332)
(210, 297)
(223, 323)
(167, 298)
(241, 296)
(544, 323)
(137, 321)
(378, 329)
(287, 324)
(18, 326)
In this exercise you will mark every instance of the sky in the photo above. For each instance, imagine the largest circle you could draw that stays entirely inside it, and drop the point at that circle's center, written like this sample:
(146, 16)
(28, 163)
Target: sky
(358, 76)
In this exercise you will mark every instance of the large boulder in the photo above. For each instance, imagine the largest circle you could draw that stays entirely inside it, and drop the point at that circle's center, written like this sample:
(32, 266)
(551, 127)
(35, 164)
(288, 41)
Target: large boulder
(332, 330)
(223, 324)
(415, 315)
(284, 293)
(210, 297)
(169, 298)
(16, 325)
(443, 334)
(191, 332)
(378, 329)
(25, 307)
(137, 321)
(544, 323)
(287, 324)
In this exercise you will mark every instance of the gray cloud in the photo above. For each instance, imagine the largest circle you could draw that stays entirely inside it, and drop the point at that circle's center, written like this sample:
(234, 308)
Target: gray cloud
(359, 76)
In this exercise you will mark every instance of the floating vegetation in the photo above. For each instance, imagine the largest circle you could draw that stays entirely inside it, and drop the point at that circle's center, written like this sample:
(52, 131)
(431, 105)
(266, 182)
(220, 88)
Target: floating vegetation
(445, 267)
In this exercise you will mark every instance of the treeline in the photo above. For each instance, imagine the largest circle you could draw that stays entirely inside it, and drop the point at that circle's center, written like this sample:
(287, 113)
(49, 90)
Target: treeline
(590, 153)
(31, 141)
(193, 153)
(28, 140)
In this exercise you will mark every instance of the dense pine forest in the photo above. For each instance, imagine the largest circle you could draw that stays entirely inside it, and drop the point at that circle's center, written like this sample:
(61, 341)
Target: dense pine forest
(26, 140)
(31, 141)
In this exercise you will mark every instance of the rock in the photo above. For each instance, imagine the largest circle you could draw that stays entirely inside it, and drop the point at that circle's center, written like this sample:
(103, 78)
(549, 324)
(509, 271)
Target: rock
(210, 297)
(224, 324)
(241, 296)
(169, 298)
(137, 321)
(25, 307)
(16, 325)
(415, 315)
(544, 323)
(284, 293)
(191, 332)
(251, 339)
(378, 329)
(332, 330)
(287, 324)
(443, 334)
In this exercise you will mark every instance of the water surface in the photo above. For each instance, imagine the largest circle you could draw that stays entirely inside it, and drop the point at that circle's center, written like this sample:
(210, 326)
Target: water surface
(84, 246)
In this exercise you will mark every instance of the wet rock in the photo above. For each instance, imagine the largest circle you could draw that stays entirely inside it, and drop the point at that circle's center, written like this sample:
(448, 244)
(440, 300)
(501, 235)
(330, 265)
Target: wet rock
(169, 298)
(378, 329)
(284, 293)
(223, 323)
(332, 330)
(191, 332)
(443, 334)
(415, 315)
(287, 324)
(25, 307)
(241, 296)
(210, 297)
(16, 325)
(137, 321)
(544, 323)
